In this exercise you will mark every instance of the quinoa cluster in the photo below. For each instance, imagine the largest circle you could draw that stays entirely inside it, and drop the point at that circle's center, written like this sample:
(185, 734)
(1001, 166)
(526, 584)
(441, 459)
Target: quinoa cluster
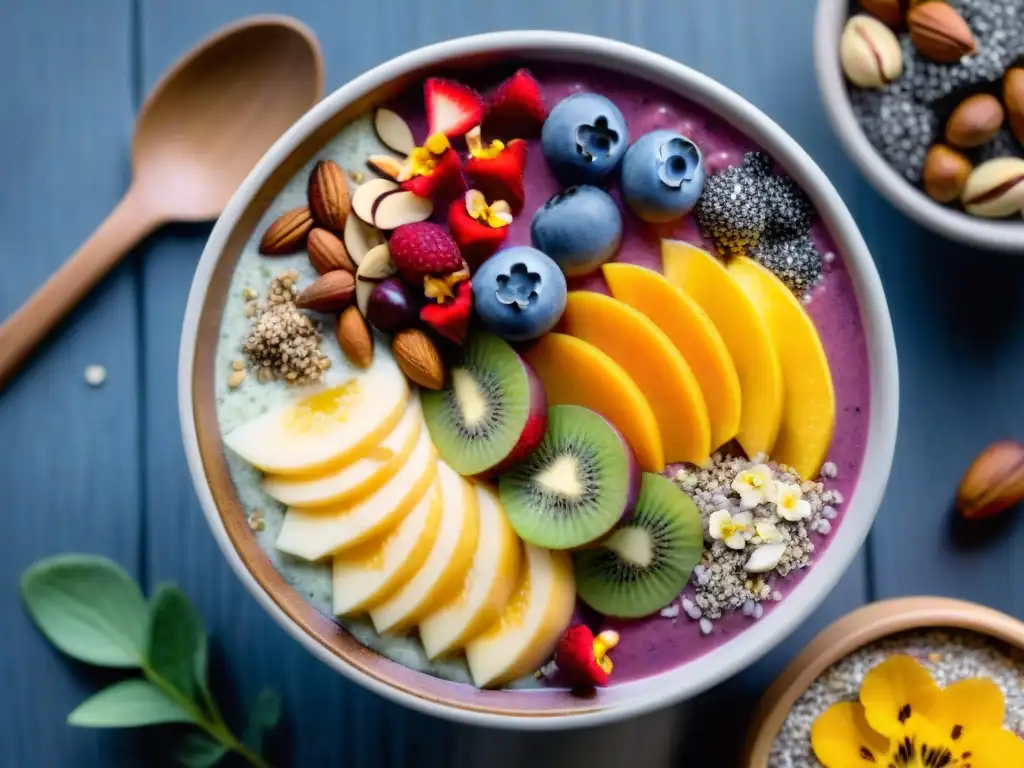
(720, 581)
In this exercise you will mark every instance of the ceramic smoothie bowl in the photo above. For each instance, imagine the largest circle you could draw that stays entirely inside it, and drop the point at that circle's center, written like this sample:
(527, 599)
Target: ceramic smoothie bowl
(544, 424)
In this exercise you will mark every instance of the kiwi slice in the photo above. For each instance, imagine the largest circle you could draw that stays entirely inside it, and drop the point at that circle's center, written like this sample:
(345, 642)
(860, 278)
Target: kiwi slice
(580, 482)
(645, 564)
(492, 412)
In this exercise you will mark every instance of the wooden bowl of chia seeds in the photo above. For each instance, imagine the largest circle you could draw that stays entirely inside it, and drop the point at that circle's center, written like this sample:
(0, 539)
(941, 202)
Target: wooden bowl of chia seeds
(953, 639)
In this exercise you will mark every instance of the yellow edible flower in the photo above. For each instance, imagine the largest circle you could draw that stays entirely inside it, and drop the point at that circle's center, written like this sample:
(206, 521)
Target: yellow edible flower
(755, 486)
(475, 143)
(603, 643)
(495, 215)
(767, 532)
(789, 503)
(423, 160)
(904, 720)
(734, 530)
(440, 289)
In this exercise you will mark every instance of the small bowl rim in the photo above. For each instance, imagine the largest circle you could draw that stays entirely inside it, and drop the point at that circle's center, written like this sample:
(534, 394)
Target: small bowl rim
(854, 631)
(683, 682)
(991, 234)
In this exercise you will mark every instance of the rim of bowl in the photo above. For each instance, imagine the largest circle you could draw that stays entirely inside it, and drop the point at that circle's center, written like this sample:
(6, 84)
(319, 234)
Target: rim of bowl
(681, 682)
(856, 630)
(991, 234)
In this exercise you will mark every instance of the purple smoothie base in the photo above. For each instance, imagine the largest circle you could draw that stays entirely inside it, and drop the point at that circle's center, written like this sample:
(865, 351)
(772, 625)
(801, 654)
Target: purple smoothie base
(656, 644)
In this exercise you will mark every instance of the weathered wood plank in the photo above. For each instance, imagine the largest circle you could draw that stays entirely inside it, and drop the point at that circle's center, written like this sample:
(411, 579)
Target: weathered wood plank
(69, 456)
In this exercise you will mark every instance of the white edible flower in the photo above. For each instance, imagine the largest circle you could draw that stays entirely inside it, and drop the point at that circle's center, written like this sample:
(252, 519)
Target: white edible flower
(790, 505)
(755, 486)
(767, 532)
(734, 530)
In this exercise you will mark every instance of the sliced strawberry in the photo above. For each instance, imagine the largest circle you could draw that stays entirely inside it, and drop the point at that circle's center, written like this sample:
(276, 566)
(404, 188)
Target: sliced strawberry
(443, 183)
(477, 240)
(423, 249)
(451, 319)
(515, 109)
(576, 661)
(501, 177)
(452, 108)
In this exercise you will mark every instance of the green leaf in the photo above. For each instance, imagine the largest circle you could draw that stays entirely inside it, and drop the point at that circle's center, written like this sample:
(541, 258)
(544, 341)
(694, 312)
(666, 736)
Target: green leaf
(176, 641)
(263, 718)
(128, 704)
(197, 750)
(88, 607)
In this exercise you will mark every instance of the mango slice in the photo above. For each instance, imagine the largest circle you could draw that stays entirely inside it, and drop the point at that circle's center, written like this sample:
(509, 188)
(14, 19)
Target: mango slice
(706, 280)
(694, 335)
(809, 412)
(577, 373)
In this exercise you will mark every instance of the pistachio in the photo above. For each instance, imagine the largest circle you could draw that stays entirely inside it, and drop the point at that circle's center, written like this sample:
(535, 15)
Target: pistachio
(975, 121)
(945, 173)
(993, 482)
(891, 12)
(995, 189)
(939, 32)
(870, 52)
(1013, 98)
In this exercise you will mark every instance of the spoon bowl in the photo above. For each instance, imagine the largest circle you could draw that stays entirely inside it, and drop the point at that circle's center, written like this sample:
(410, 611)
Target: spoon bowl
(212, 116)
(205, 125)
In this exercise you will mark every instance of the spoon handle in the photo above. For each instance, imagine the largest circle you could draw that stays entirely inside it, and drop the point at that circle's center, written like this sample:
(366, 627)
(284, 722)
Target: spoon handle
(128, 223)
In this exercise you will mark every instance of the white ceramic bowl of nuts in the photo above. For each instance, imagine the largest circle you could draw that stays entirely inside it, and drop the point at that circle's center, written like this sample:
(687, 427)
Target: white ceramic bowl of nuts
(928, 100)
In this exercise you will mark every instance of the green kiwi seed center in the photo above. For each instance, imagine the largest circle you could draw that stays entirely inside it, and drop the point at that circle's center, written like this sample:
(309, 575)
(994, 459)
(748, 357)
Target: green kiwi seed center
(633, 546)
(472, 398)
(566, 476)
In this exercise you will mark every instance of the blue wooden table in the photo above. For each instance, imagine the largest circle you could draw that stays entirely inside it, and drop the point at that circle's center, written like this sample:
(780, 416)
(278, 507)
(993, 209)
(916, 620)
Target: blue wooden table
(102, 469)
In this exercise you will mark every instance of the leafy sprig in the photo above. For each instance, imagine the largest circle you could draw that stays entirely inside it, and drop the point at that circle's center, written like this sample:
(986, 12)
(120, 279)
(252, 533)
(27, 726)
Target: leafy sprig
(93, 611)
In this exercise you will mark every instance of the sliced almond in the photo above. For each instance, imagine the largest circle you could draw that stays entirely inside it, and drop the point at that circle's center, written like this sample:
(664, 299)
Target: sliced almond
(375, 266)
(366, 196)
(359, 238)
(388, 166)
(400, 208)
(393, 131)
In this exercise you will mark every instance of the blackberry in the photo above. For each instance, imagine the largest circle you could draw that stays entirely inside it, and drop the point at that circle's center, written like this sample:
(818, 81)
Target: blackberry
(733, 207)
(795, 261)
(899, 127)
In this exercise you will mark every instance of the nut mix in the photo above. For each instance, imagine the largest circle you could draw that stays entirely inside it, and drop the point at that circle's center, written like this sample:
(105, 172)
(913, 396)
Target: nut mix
(938, 88)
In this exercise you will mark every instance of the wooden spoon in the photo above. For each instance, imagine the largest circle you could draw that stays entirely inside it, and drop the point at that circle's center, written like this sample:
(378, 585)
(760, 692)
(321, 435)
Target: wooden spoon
(210, 118)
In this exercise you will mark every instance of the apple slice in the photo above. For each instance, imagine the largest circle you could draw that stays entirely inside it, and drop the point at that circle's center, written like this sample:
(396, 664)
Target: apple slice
(487, 588)
(536, 615)
(369, 574)
(338, 424)
(365, 197)
(360, 237)
(393, 131)
(445, 569)
(313, 534)
(394, 209)
(357, 480)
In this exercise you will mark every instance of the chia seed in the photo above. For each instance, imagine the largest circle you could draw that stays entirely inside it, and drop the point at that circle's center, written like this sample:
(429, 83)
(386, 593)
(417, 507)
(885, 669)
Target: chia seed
(948, 656)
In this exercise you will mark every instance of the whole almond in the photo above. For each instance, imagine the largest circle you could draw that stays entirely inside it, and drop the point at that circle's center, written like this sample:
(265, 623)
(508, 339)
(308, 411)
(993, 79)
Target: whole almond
(939, 32)
(327, 253)
(995, 189)
(869, 52)
(892, 12)
(945, 173)
(288, 232)
(355, 338)
(993, 482)
(1013, 97)
(418, 358)
(975, 121)
(329, 292)
(328, 194)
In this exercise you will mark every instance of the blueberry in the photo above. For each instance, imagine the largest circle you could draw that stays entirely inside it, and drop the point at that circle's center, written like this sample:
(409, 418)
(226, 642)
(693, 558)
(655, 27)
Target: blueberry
(519, 293)
(580, 229)
(584, 138)
(662, 176)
